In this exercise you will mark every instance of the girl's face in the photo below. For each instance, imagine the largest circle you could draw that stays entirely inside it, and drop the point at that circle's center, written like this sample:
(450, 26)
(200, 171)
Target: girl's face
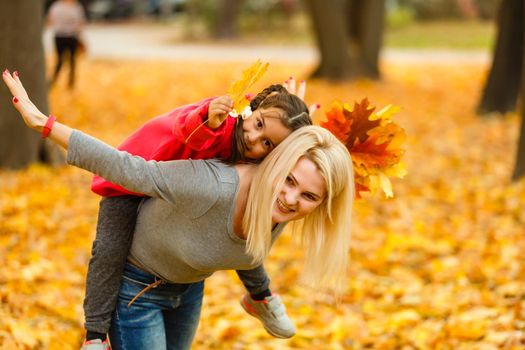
(262, 132)
(302, 192)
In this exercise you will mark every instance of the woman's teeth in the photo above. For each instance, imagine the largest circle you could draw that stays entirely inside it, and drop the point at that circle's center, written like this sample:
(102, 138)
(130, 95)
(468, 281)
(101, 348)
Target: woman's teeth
(283, 207)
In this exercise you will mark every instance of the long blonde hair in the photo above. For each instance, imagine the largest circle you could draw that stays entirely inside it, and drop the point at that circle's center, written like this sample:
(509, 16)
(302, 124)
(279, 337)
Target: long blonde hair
(325, 231)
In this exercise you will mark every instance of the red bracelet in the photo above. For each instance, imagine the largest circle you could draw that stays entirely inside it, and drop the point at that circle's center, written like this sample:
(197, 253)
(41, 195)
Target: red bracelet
(49, 125)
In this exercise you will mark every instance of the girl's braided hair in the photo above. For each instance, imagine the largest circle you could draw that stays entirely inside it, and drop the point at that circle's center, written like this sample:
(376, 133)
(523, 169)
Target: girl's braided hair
(295, 115)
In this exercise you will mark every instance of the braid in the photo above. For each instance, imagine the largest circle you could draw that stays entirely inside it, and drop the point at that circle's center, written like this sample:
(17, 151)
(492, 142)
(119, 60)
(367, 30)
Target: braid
(261, 96)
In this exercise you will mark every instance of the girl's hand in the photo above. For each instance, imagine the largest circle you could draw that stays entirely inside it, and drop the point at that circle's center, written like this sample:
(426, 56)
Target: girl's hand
(218, 111)
(300, 92)
(31, 115)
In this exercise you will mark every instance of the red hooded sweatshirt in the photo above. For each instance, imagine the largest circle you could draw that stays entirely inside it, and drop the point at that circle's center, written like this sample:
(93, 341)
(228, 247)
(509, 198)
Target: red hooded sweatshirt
(163, 138)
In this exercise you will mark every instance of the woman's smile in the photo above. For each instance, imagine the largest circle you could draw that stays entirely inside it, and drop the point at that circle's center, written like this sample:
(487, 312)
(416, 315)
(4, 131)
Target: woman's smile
(302, 192)
(283, 207)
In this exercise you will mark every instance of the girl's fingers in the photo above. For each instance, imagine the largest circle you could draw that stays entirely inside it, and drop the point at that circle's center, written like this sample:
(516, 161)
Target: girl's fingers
(286, 85)
(222, 102)
(291, 85)
(313, 108)
(221, 109)
(225, 100)
(301, 91)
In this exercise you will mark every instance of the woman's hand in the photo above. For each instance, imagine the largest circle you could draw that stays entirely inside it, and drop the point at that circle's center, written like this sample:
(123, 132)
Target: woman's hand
(218, 111)
(32, 115)
(300, 92)
(33, 118)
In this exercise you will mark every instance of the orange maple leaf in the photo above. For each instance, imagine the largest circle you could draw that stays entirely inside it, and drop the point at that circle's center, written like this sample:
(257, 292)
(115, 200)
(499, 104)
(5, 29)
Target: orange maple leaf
(337, 122)
(359, 187)
(371, 155)
(361, 123)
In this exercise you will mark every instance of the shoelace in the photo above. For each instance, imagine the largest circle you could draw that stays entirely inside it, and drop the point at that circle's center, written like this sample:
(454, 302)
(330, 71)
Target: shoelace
(148, 287)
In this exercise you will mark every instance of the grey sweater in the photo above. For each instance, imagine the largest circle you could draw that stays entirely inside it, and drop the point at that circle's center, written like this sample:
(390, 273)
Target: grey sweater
(184, 232)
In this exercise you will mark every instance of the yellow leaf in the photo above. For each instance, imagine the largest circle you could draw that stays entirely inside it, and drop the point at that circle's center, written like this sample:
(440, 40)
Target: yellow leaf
(386, 113)
(250, 76)
(397, 170)
(386, 185)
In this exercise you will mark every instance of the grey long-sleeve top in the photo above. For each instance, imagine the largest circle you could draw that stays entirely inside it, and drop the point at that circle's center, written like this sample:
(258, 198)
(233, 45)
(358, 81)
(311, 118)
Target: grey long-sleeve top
(184, 232)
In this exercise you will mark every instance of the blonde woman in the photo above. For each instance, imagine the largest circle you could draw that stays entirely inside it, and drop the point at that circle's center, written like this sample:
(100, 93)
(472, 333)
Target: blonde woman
(205, 216)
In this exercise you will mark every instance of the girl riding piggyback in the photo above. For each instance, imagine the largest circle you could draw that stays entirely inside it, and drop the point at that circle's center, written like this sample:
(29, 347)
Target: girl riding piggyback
(202, 130)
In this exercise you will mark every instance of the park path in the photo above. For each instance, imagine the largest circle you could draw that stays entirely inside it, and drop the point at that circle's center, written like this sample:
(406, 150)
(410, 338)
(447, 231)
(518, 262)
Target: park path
(151, 41)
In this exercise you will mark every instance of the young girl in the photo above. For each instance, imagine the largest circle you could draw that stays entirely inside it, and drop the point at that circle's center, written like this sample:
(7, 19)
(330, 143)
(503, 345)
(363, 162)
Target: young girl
(180, 134)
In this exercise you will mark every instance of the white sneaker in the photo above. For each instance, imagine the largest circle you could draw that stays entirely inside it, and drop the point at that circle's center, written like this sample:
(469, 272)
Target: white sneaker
(95, 344)
(272, 313)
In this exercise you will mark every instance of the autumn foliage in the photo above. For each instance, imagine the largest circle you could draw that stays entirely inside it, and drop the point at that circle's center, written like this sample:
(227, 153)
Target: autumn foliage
(438, 266)
(374, 141)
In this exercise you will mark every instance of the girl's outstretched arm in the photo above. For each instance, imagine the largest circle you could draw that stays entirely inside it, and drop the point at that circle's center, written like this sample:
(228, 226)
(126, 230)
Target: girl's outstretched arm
(32, 116)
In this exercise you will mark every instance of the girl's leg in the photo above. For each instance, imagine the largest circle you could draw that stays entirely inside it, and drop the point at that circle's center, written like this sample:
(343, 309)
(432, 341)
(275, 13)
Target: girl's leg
(181, 323)
(260, 303)
(115, 227)
(140, 326)
(255, 280)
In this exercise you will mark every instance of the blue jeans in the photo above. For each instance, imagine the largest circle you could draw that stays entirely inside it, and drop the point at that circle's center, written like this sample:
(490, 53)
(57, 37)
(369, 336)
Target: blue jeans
(164, 318)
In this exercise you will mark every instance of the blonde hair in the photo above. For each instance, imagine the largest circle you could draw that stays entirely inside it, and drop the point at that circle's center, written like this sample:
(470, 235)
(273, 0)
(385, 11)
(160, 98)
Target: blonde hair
(325, 231)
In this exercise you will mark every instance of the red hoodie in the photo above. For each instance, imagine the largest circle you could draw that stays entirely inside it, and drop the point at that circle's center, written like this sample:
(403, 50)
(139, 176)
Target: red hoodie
(162, 138)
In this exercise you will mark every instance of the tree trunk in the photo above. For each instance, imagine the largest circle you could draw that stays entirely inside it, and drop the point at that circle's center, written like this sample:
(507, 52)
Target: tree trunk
(227, 20)
(370, 24)
(503, 84)
(519, 169)
(21, 49)
(349, 35)
(330, 29)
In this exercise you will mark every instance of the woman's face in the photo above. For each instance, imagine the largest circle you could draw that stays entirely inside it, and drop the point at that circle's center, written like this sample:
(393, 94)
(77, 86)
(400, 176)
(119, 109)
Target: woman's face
(262, 131)
(302, 192)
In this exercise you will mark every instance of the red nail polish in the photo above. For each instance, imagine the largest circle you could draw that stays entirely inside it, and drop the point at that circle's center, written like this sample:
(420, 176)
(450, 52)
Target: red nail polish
(318, 105)
(5, 71)
(15, 73)
(15, 100)
(302, 81)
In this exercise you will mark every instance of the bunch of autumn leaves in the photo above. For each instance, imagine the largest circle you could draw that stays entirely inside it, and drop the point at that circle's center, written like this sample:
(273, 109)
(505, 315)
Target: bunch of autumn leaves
(373, 139)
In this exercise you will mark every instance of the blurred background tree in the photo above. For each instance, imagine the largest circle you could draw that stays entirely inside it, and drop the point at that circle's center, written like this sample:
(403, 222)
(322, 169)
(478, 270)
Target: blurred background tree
(347, 33)
(349, 36)
(501, 90)
(21, 49)
(519, 169)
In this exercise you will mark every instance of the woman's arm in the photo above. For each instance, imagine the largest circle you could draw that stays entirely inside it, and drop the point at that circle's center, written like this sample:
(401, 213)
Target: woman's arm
(167, 180)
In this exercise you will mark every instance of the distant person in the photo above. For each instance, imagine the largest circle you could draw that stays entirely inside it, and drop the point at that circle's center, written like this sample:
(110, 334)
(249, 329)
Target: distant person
(67, 19)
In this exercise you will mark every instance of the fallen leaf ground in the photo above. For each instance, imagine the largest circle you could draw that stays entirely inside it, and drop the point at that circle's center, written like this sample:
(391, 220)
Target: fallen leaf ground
(440, 266)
